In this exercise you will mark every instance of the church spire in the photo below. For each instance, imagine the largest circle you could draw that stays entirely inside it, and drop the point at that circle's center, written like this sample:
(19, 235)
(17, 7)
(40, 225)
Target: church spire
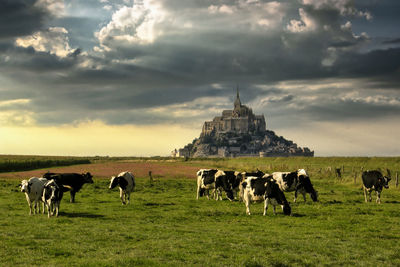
(237, 101)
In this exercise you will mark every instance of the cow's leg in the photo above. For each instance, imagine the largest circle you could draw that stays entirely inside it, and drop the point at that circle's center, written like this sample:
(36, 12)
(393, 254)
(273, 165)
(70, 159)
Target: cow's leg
(370, 197)
(304, 196)
(121, 195)
(198, 192)
(295, 196)
(43, 211)
(29, 203)
(378, 197)
(365, 194)
(56, 207)
(72, 193)
(128, 194)
(247, 203)
(265, 206)
(274, 209)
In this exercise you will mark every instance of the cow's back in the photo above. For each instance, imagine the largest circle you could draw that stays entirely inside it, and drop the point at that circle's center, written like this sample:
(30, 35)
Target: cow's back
(130, 179)
(370, 178)
(74, 180)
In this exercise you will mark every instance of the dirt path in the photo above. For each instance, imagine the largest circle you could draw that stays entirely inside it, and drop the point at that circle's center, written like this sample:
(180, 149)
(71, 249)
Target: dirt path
(108, 169)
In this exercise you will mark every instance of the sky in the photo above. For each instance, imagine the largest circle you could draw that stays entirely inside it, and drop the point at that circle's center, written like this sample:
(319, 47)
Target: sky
(140, 77)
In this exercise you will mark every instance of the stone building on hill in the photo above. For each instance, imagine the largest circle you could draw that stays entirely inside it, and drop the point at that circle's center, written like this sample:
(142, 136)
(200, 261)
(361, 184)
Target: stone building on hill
(240, 120)
(240, 133)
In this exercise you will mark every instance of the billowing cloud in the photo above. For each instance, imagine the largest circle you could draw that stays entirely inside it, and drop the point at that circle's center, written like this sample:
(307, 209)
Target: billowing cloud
(54, 40)
(301, 63)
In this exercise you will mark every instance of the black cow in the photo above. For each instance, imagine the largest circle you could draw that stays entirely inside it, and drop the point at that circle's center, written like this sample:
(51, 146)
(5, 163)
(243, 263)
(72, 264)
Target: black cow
(374, 180)
(257, 189)
(70, 181)
(297, 181)
(51, 197)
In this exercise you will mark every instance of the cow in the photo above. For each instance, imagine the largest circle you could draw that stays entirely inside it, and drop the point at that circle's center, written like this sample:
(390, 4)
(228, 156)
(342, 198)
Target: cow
(33, 189)
(126, 182)
(70, 181)
(297, 181)
(257, 189)
(244, 175)
(205, 182)
(52, 195)
(374, 180)
(227, 181)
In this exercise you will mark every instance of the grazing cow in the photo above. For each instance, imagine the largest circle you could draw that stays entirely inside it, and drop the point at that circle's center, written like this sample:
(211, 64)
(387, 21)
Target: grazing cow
(258, 173)
(297, 181)
(33, 189)
(374, 180)
(227, 181)
(205, 182)
(126, 183)
(70, 181)
(257, 189)
(52, 195)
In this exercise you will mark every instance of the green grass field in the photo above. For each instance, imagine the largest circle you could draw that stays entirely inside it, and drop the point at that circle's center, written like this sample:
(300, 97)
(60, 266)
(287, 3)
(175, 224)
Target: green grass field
(165, 226)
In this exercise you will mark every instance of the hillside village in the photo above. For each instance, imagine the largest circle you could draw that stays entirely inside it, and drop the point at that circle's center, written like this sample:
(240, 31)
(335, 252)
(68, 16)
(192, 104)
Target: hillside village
(240, 133)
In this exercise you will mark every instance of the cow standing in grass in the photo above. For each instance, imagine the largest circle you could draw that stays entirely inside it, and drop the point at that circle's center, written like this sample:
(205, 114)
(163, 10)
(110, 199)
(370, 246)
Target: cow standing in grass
(205, 182)
(52, 195)
(374, 180)
(227, 181)
(33, 189)
(297, 181)
(257, 189)
(70, 181)
(126, 183)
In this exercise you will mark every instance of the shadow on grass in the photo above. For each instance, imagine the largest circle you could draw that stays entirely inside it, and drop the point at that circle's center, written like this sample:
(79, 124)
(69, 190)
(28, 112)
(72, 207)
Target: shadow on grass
(392, 202)
(297, 215)
(80, 215)
(159, 204)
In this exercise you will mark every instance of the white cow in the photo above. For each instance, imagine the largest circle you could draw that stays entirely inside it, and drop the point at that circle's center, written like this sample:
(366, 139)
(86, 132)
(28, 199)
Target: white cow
(33, 189)
(126, 183)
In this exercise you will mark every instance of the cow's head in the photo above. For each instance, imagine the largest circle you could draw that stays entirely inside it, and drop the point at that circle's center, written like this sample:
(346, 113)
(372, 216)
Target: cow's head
(114, 182)
(52, 189)
(87, 177)
(384, 181)
(25, 186)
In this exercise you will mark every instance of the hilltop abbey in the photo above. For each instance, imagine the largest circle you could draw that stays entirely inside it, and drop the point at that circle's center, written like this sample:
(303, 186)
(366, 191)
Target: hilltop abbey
(239, 120)
(240, 133)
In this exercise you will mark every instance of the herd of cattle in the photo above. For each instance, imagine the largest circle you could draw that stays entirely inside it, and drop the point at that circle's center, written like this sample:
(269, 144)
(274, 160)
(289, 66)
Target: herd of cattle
(246, 186)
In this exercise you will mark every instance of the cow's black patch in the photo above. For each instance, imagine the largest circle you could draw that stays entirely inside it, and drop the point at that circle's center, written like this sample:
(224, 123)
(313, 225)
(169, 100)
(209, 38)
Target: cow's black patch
(122, 182)
(258, 186)
(289, 178)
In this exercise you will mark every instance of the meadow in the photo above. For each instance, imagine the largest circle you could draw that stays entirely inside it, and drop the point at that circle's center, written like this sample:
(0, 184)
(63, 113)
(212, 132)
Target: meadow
(165, 226)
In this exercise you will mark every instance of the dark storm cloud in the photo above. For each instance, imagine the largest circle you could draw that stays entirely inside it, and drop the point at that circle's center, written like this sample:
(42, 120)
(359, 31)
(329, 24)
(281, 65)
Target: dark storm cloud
(20, 17)
(122, 81)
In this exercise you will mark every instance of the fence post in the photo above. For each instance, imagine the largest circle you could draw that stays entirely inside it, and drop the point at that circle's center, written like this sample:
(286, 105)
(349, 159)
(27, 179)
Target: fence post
(151, 177)
(397, 179)
(355, 177)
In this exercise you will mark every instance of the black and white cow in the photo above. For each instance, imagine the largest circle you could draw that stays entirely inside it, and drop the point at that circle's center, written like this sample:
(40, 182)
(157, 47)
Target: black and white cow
(374, 180)
(33, 189)
(227, 181)
(244, 176)
(52, 195)
(205, 182)
(126, 183)
(70, 181)
(257, 189)
(297, 181)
